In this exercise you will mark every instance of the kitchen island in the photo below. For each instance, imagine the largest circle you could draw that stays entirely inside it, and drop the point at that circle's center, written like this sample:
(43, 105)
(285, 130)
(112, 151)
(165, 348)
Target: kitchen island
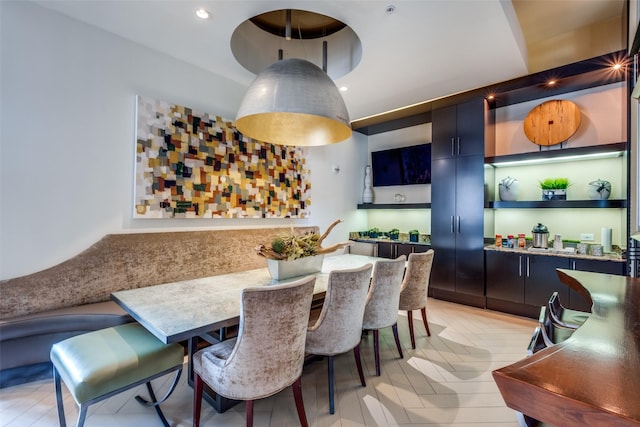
(592, 378)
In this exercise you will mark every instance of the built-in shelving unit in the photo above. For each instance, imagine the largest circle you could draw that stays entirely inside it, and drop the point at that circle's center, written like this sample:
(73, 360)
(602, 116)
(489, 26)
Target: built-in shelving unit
(394, 206)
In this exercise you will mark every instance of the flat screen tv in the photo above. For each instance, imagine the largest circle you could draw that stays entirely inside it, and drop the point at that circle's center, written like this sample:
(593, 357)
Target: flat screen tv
(402, 166)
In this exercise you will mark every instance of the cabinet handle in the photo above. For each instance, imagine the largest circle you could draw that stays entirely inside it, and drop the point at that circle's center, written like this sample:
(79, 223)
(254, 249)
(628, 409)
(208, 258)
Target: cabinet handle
(528, 267)
(452, 225)
(520, 265)
(458, 224)
(458, 139)
(453, 147)
(574, 264)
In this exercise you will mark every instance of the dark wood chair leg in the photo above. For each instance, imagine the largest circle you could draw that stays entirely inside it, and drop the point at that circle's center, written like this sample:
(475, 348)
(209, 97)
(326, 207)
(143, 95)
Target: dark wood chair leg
(356, 354)
(330, 373)
(376, 351)
(424, 319)
(410, 319)
(249, 413)
(297, 395)
(394, 327)
(197, 398)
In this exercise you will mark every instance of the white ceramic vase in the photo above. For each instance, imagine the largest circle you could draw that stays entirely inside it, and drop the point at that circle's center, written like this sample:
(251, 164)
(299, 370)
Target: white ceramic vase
(508, 189)
(367, 195)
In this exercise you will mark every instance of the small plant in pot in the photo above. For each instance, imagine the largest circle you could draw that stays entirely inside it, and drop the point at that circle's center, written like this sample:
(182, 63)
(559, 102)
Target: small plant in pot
(374, 232)
(554, 188)
(414, 236)
(394, 234)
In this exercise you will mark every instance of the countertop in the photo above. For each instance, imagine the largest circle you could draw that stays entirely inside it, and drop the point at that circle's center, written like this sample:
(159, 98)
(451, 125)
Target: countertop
(593, 377)
(387, 240)
(609, 256)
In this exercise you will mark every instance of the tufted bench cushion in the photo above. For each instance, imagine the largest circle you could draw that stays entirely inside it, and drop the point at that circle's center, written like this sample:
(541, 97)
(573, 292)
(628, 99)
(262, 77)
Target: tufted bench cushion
(99, 364)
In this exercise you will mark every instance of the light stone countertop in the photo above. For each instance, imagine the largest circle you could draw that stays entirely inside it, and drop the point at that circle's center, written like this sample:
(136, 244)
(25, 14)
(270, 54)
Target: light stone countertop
(550, 252)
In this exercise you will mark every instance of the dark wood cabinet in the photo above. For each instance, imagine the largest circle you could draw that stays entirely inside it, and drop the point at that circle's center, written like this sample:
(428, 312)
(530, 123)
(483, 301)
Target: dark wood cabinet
(457, 202)
(458, 130)
(505, 278)
(395, 249)
(521, 283)
(579, 302)
(541, 279)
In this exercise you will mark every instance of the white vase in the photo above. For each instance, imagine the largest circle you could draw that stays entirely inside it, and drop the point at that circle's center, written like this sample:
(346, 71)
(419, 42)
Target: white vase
(283, 269)
(599, 189)
(508, 189)
(367, 195)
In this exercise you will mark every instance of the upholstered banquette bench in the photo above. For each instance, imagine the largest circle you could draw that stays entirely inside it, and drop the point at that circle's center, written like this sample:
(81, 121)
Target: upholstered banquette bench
(73, 297)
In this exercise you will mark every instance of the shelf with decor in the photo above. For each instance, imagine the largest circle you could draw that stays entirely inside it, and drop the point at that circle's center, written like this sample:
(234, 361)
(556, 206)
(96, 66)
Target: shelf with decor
(535, 204)
(394, 206)
(557, 156)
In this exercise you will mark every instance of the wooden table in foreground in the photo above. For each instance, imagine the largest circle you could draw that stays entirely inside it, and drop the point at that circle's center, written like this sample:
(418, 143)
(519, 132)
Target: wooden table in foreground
(593, 378)
(190, 310)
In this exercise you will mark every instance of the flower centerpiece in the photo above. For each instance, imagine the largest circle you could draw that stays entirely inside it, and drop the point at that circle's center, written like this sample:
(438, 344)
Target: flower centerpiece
(296, 255)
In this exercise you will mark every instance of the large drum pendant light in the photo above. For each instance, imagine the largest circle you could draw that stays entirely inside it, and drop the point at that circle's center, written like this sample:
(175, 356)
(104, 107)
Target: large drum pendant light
(294, 102)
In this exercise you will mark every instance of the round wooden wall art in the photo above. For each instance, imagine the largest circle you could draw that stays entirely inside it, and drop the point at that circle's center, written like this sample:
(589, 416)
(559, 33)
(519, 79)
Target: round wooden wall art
(552, 122)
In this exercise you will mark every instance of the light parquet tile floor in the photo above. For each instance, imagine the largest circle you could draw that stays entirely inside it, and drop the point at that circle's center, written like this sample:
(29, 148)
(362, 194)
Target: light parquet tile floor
(445, 381)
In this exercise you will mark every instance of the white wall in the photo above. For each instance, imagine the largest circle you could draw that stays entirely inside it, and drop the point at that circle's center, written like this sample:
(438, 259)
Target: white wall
(67, 140)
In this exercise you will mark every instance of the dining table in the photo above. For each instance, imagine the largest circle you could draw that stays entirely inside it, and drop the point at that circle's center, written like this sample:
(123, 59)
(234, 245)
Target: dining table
(200, 310)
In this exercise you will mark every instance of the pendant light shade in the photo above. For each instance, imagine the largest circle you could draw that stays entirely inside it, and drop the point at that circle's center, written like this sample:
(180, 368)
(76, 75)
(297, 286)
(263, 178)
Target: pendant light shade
(293, 102)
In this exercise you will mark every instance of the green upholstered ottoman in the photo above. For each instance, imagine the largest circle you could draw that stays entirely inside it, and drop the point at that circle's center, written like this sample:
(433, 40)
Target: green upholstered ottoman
(100, 364)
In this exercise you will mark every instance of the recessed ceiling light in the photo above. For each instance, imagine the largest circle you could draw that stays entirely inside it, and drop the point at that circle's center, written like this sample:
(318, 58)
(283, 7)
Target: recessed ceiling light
(551, 82)
(617, 66)
(343, 88)
(203, 13)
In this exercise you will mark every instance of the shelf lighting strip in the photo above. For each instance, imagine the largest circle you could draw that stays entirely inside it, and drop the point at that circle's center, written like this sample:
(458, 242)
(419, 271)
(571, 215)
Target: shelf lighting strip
(605, 155)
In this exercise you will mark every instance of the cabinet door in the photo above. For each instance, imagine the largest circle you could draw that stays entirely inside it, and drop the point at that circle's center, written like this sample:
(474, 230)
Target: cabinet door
(469, 225)
(505, 276)
(404, 249)
(385, 250)
(541, 279)
(443, 242)
(420, 248)
(443, 132)
(576, 300)
(470, 119)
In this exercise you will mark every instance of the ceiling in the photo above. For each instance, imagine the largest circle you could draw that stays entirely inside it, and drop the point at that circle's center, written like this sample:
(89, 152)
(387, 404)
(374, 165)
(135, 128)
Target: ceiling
(424, 50)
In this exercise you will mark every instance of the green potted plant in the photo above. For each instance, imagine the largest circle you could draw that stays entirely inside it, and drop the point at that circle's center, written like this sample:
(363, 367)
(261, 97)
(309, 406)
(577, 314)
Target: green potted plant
(414, 236)
(394, 234)
(374, 232)
(554, 188)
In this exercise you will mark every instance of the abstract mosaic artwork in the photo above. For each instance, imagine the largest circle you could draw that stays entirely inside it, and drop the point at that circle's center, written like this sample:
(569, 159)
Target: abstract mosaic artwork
(197, 165)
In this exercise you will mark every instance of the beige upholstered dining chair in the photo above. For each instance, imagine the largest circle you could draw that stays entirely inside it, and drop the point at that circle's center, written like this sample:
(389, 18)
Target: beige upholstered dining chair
(338, 329)
(413, 295)
(381, 310)
(268, 353)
